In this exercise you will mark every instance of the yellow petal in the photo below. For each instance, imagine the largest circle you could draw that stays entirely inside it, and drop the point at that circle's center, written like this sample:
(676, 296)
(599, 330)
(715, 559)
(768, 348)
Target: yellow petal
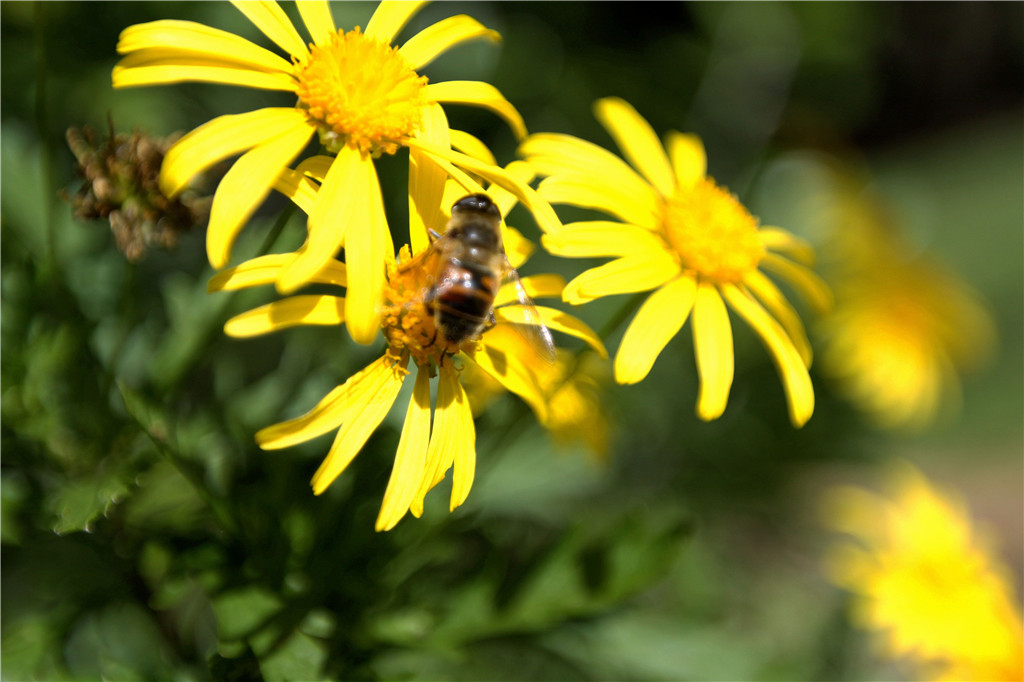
(541, 210)
(660, 318)
(795, 380)
(298, 187)
(348, 210)
(326, 415)
(518, 248)
(188, 39)
(410, 458)
(333, 211)
(221, 138)
(689, 160)
(147, 68)
(534, 286)
(712, 340)
(779, 307)
(777, 239)
(515, 363)
(553, 319)
(443, 435)
(369, 399)
(464, 456)
(244, 187)
(640, 272)
(269, 18)
(389, 18)
(333, 410)
(288, 312)
(810, 286)
(429, 43)
(472, 146)
(584, 174)
(316, 167)
(637, 141)
(597, 238)
(316, 15)
(427, 181)
(502, 198)
(266, 270)
(477, 94)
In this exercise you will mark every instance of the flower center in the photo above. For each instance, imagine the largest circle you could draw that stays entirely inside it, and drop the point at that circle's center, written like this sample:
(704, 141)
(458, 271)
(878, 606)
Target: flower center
(713, 233)
(361, 93)
(407, 322)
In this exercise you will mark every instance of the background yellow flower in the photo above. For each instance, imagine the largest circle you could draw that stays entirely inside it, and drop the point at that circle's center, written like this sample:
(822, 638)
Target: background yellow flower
(686, 238)
(904, 328)
(925, 579)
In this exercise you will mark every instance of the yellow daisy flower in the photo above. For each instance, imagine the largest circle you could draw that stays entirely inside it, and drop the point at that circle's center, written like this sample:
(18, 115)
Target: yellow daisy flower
(923, 576)
(433, 439)
(686, 238)
(903, 328)
(361, 94)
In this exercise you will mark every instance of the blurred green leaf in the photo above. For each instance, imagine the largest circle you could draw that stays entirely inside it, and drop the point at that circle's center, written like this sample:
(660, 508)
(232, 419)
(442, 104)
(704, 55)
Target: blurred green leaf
(77, 503)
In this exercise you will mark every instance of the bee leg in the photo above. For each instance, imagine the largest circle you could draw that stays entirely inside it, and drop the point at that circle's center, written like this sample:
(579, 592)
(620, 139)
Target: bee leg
(491, 321)
(434, 236)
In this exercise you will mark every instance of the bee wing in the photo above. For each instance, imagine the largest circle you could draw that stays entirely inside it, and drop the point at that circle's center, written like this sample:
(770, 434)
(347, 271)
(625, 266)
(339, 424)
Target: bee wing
(525, 318)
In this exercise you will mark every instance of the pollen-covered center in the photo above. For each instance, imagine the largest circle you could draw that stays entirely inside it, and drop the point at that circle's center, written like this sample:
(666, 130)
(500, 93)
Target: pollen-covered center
(712, 232)
(362, 93)
(407, 321)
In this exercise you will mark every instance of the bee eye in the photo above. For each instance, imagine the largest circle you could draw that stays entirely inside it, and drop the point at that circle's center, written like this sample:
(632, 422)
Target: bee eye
(478, 203)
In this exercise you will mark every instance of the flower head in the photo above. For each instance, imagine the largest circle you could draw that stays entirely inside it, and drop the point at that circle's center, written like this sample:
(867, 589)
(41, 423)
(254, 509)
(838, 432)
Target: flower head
(923, 576)
(681, 235)
(903, 327)
(359, 93)
(434, 438)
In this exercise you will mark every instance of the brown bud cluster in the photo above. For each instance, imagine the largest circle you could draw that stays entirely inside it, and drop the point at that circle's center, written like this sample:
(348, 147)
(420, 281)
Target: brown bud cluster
(121, 185)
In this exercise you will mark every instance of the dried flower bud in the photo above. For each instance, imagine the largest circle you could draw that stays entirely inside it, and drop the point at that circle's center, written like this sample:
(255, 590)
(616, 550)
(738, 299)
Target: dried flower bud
(121, 185)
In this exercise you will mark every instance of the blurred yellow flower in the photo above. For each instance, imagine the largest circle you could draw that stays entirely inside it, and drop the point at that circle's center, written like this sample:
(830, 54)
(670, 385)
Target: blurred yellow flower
(903, 328)
(926, 579)
(575, 409)
(686, 238)
(363, 96)
(432, 441)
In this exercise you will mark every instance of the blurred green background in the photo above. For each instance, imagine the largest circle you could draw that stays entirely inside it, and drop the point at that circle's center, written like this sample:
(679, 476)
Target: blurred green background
(145, 536)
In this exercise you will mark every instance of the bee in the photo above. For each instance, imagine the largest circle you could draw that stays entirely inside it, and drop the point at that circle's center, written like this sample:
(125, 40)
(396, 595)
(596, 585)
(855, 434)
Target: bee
(471, 268)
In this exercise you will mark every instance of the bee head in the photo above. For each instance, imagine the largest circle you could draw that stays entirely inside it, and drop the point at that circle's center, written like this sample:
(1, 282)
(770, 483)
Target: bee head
(477, 203)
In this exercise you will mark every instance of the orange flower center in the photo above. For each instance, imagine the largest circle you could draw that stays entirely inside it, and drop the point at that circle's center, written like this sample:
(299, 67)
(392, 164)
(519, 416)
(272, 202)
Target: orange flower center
(361, 93)
(407, 323)
(712, 232)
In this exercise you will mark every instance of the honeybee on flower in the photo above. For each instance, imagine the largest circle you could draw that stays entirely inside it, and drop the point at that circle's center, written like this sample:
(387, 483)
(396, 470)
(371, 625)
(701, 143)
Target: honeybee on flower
(428, 330)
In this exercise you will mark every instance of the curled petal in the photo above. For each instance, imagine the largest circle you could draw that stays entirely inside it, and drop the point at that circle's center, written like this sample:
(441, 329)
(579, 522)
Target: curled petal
(478, 94)
(428, 44)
